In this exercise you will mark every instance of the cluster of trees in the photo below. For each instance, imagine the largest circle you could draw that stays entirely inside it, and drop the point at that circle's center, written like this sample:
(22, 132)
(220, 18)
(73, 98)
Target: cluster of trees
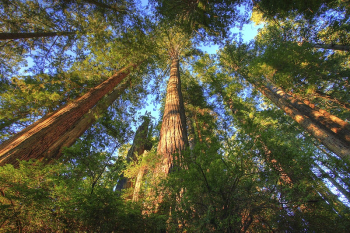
(254, 138)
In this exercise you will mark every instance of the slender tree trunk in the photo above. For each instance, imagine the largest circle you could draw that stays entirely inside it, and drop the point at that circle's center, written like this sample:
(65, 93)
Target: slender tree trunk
(332, 46)
(173, 134)
(139, 145)
(333, 181)
(84, 123)
(24, 35)
(35, 140)
(284, 176)
(331, 132)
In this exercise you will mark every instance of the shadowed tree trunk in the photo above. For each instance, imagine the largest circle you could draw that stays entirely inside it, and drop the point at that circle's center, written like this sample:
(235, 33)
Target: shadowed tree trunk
(333, 181)
(331, 131)
(139, 145)
(173, 134)
(24, 35)
(84, 123)
(34, 141)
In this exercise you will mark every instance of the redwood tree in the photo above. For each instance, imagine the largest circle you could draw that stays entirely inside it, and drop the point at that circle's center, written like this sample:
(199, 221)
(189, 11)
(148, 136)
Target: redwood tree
(331, 131)
(35, 141)
(173, 134)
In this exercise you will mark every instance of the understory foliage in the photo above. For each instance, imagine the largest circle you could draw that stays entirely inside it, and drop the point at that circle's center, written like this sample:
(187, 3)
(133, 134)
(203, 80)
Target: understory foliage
(249, 165)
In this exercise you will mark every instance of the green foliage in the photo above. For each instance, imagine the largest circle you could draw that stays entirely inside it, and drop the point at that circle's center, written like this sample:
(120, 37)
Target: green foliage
(249, 167)
(212, 18)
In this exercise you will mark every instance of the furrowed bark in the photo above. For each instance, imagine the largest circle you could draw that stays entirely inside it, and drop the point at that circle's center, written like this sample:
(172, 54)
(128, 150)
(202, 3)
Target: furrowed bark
(338, 126)
(24, 35)
(34, 141)
(173, 134)
(84, 123)
(309, 119)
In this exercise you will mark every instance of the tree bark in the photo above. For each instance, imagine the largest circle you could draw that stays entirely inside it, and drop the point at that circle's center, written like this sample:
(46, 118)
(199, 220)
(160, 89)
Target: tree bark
(84, 123)
(331, 132)
(24, 35)
(173, 134)
(35, 140)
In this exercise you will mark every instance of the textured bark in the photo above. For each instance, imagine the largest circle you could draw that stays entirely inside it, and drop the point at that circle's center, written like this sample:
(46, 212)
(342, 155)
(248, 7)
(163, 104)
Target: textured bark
(284, 176)
(139, 145)
(333, 123)
(35, 140)
(84, 123)
(24, 35)
(173, 134)
(332, 46)
(331, 132)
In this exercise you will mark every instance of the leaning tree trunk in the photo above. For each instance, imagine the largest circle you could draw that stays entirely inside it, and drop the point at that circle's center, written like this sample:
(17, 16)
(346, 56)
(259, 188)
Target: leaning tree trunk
(24, 35)
(331, 131)
(173, 134)
(333, 181)
(268, 155)
(84, 123)
(139, 145)
(35, 140)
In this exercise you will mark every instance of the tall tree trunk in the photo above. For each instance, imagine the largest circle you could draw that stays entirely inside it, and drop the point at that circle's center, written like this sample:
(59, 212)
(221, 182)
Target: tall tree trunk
(331, 131)
(35, 140)
(139, 145)
(24, 35)
(284, 176)
(84, 123)
(173, 134)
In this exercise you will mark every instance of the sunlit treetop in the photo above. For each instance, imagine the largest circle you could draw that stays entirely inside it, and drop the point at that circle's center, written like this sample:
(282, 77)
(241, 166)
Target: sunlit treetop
(209, 19)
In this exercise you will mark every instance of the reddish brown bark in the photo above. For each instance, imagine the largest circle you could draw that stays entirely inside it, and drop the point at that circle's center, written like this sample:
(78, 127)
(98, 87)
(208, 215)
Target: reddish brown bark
(24, 35)
(68, 139)
(35, 140)
(330, 131)
(173, 134)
